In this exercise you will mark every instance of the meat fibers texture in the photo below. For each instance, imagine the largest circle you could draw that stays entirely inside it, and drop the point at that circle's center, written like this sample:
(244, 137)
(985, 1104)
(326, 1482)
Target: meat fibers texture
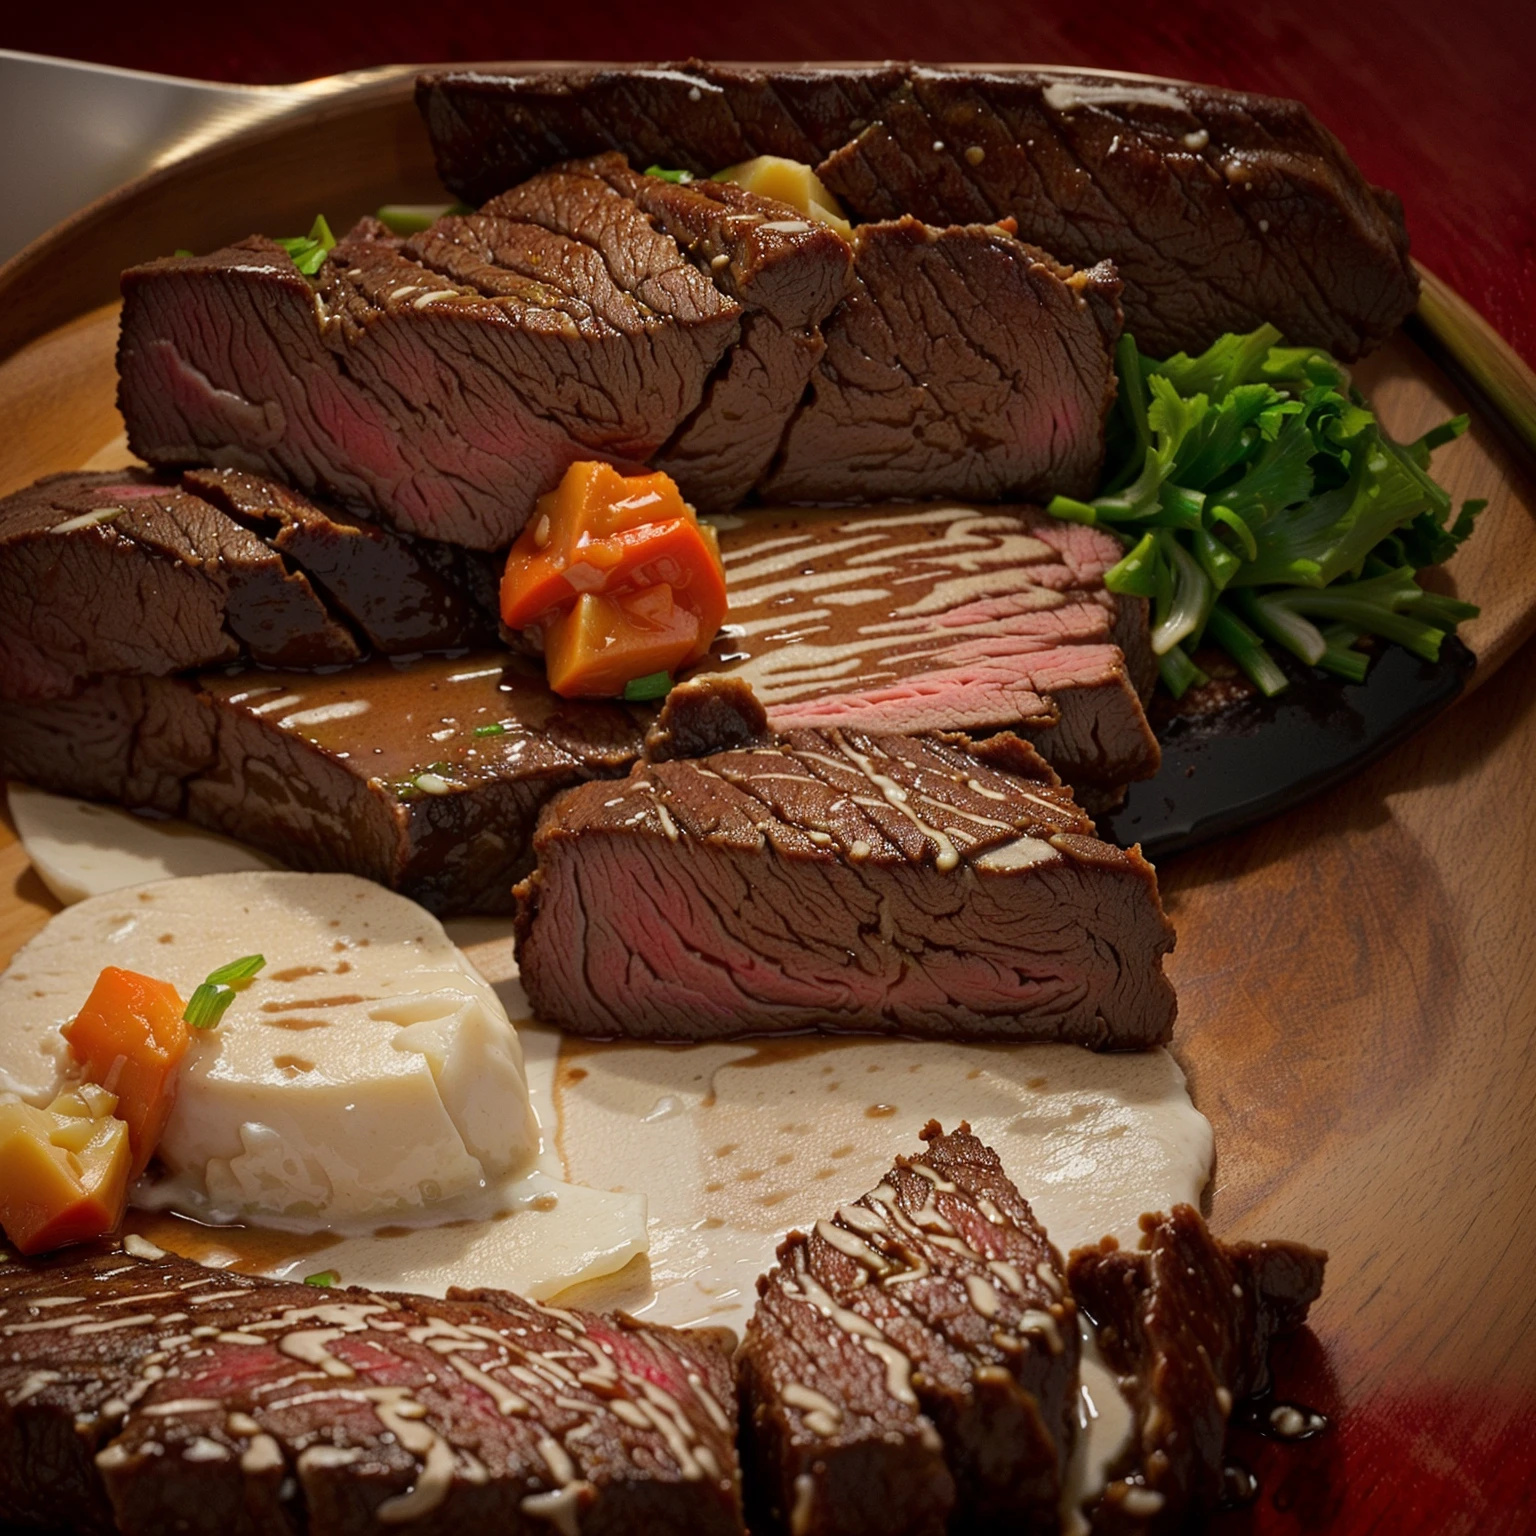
(921, 1337)
(144, 1395)
(1221, 210)
(930, 887)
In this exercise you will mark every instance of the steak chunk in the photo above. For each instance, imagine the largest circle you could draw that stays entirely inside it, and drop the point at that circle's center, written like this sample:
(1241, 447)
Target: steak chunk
(839, 881)
(920, 618)
(428, 779)
(923, 1330)
(1220, 209)
(144, 1395)
(441, 385)
(404, 595)
(965, 363)
(115, 573)
(789, 273)
(1186, 1321)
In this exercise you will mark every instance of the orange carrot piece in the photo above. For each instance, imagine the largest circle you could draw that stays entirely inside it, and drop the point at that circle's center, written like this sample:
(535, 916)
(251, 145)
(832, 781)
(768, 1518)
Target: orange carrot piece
(603, 535)
(130, 1037)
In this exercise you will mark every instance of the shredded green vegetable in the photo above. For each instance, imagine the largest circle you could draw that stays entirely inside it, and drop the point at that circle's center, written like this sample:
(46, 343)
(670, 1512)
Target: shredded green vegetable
(654, 685)
(412, 218)
(1261, 503)
(309, 251)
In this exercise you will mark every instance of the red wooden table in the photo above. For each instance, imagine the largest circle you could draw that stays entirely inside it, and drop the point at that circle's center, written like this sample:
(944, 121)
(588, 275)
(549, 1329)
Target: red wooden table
(1430, 99)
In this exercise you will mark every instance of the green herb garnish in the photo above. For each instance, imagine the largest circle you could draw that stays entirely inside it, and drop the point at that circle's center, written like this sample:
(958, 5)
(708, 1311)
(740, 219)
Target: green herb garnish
(237, 970)
(495, 728)
(325, 1279)
(661, 173)
(211, 999)
(309, 251)
(412, 218)
(181, 250)
(1260, 502)
(208, 1004)
(654, 685)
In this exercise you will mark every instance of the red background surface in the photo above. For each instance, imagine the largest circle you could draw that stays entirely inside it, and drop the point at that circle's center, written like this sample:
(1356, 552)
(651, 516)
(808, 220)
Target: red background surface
(1432, 97)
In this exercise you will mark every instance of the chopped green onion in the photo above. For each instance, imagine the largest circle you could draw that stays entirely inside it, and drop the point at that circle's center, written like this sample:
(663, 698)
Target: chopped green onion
(181, 250)
(655, 685)
(237, 970)
(1247, 650)
(661, 173)
(411, 218)
(325, 1279)
(495, 728)
(1178, 672)
(309, 251)
(208, 1004)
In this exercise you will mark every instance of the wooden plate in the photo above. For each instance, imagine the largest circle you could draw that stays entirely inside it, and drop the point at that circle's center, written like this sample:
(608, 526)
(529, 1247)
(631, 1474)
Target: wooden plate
(1357, 977)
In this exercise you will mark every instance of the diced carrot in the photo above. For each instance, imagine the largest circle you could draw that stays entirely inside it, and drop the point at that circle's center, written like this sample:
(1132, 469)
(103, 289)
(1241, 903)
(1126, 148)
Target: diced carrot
(130, 1037)
(64, 1170)
(603, 535)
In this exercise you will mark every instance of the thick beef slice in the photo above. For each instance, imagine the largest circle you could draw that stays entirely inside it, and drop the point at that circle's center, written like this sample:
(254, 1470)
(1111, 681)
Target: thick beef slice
(1221, 209)
(405, 595)
(441, 385)
(117, 573)
(964, 363)
(841, 881)
(143, 1395)
(945, 1278)
(376, 771)
(941, 617)
(1186, 1321)
(789, 273)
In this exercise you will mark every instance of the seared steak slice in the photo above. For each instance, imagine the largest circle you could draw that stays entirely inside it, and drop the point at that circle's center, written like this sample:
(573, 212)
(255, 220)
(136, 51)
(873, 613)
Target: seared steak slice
(1186, 1321)
(144, 1395)
(405, 595)
(840, 881)
(944, 1276)
(1220, 209)
(789, 273)
(376, 771)
(920, 618)
(115, 573)
(441, 385)
(964, 363)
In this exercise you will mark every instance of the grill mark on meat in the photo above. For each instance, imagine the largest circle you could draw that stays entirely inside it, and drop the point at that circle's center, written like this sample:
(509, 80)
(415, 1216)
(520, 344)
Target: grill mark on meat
(169, 1425)
(1330, 269)
(905, 1272)
(770, 889)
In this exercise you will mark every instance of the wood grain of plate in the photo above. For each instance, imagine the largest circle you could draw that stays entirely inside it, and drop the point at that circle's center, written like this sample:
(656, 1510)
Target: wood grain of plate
(1357, 977)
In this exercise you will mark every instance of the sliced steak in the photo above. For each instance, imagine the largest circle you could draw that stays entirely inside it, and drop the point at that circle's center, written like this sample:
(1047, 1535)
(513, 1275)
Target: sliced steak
(116, 573)
(789, 273)
(1220, 209)
(441, 385)
(427, 779)
(1186, 1321)
(146, 1395)
(928, 887)
(404, 595)
(964, 363)
(919, 618)
(943, 1280)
